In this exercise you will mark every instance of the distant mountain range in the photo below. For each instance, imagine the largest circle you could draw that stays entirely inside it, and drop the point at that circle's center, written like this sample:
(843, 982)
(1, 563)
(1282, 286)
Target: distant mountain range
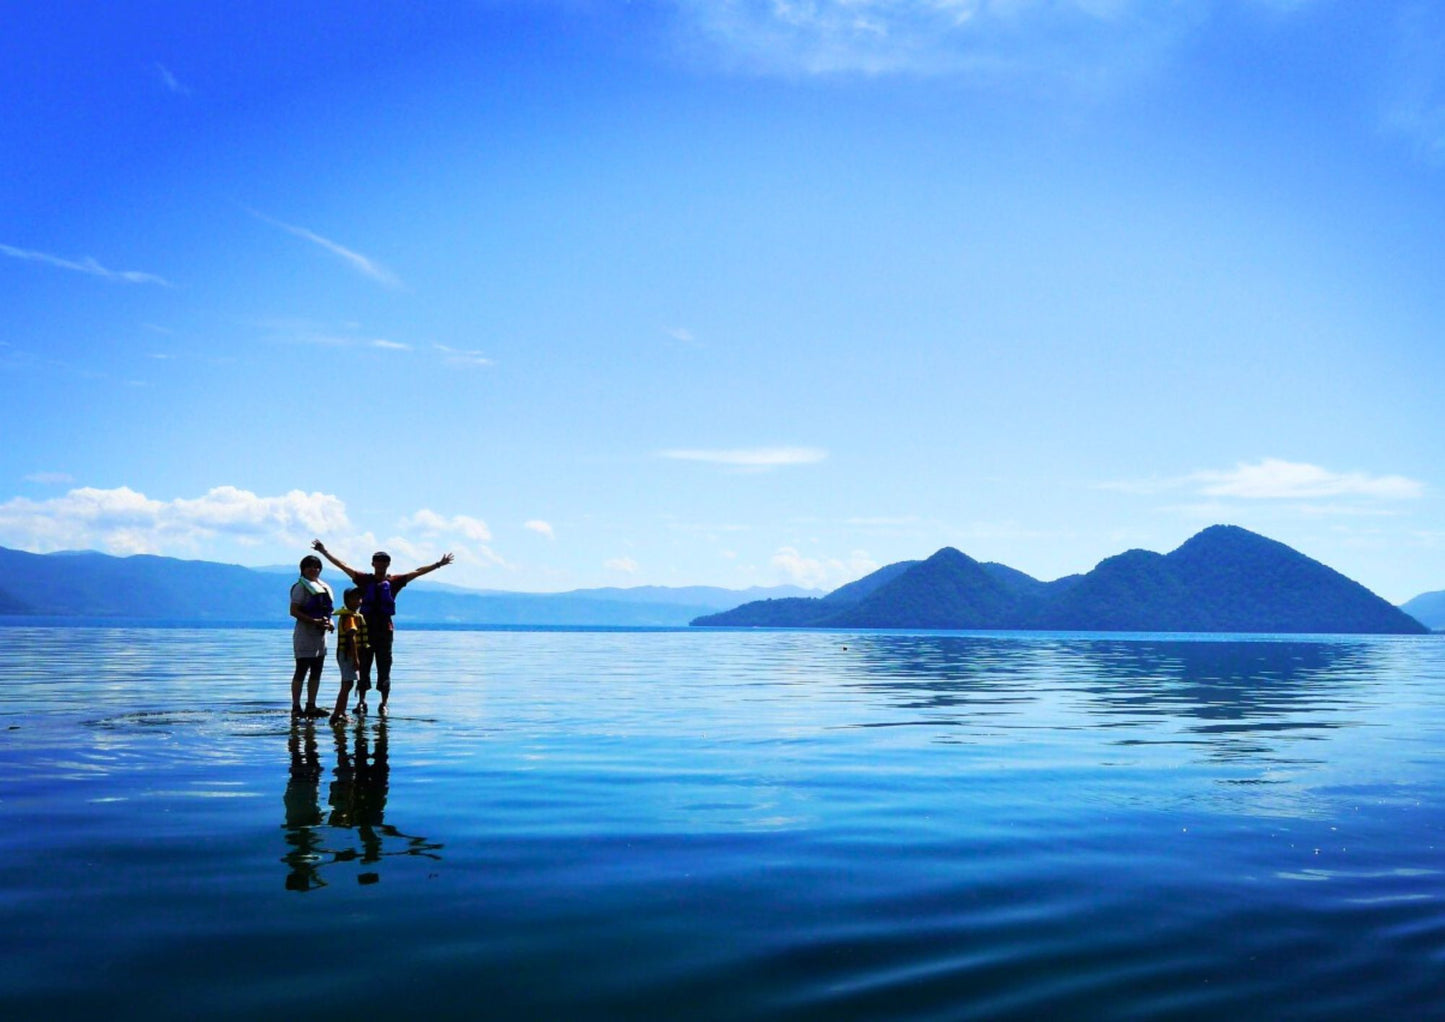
(1225, 579)
(1428, 609)
(89, 584)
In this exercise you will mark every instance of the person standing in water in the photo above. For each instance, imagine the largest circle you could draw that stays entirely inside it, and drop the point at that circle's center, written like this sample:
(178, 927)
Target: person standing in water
(350, 645)
(378, 606)
(311, 605)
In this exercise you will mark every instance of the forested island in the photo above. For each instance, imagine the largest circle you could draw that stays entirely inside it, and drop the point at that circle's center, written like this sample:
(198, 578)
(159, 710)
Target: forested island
(1224, 579)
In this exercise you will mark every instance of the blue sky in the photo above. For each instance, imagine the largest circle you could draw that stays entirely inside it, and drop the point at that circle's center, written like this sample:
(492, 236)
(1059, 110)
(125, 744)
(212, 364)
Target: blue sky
(732, 293)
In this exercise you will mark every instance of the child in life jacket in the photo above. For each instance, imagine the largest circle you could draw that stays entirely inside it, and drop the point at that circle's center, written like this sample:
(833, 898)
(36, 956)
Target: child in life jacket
(350, 645)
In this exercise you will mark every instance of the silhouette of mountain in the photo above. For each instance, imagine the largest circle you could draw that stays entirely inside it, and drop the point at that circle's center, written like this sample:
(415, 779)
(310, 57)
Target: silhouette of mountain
(1224, 579)
(948, 590)
(89, 584)
(1428, 609)
(806, 612)
(854, 592)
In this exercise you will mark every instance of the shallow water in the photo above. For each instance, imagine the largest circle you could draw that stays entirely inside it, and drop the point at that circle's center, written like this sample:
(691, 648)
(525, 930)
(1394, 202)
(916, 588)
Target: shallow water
(700, 824)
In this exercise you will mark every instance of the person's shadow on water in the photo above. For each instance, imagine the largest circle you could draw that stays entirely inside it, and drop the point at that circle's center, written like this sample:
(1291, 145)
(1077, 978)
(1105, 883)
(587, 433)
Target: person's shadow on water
(357, 802)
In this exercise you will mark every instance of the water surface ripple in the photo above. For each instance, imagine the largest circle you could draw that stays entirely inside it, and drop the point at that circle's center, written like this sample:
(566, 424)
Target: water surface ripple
(715, 824)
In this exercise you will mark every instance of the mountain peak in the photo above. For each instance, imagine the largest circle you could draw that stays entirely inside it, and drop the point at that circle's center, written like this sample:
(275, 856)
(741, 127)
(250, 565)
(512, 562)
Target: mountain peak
(949, 556)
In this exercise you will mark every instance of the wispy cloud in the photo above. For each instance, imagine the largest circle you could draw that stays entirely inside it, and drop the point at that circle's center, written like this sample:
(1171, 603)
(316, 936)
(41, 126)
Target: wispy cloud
(360, 263)
(170, 81)
(626, 565)
(753, 458)
(463, 356)
(1415, 99)
(85, 265)
(1080, 39)
(50, 478)
(540, 527)
(299, 330)
(1274, 479)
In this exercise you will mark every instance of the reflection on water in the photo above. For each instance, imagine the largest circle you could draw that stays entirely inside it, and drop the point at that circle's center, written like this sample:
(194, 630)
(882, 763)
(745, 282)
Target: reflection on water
(1232, 698)
(303, 810)
(727, 825)
(355, 830)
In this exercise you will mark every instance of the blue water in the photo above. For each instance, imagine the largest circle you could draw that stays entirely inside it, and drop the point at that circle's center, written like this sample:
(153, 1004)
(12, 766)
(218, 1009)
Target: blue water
(701, 824)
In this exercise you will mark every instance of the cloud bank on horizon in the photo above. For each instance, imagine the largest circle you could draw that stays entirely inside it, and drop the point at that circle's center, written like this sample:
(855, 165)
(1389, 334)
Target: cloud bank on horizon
(123, 522)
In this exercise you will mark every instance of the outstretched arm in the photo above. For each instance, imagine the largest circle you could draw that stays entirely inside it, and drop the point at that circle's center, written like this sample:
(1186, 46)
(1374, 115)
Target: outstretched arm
(424, 569)
(320, 548)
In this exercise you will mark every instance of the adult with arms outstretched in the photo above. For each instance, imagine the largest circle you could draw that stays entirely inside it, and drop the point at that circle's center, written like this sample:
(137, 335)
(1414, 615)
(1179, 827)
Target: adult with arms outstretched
(378, 606)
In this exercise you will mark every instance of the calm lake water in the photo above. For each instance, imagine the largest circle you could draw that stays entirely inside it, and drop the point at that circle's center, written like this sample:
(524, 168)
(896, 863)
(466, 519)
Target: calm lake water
(729, 825)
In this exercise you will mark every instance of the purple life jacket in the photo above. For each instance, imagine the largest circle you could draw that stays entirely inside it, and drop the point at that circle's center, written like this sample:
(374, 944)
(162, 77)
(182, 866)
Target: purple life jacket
(318, 604)
(377, 599)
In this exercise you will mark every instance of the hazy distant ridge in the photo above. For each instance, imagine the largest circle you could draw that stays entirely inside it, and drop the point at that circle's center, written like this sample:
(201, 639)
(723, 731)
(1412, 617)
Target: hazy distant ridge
(1427, 608)
(1224, 579)
(89, 584)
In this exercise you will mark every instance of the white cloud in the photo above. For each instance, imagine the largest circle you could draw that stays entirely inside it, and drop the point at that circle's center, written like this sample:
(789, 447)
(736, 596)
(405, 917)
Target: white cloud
(85, 265)
(683, 335)
(540, 527)
(433, 524)
(123, 521)
(1275, 479)
(756, 458)
(357, 261)
(462, 535)
(821, 572)
(385, 345)
(626, 565)
(407, 552)
(463, 356)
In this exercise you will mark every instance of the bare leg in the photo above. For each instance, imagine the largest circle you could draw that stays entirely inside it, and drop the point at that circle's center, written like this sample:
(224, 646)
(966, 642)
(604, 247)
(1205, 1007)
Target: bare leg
(296, 686)
(338, 713)
(313, 685)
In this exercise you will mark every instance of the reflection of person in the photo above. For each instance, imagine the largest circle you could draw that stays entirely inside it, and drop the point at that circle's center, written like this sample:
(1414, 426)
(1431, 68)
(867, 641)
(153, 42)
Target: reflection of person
(342, 797)
(303, 810)
(378, 605)
(350, 641)
(311, 606)
(355, 802)
(373, 773)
